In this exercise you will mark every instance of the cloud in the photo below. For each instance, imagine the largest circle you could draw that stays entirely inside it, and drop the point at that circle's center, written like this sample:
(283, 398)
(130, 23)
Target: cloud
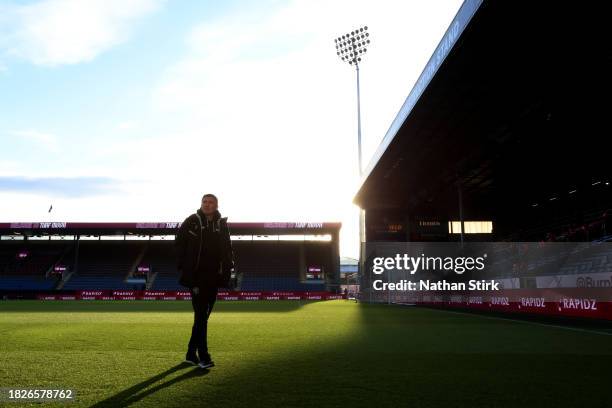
(128, 125)
(59, 186)
(56, 32)
(47, 141)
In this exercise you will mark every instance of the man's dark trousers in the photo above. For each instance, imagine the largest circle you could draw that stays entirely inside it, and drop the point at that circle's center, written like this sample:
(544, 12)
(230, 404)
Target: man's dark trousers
(202, 303)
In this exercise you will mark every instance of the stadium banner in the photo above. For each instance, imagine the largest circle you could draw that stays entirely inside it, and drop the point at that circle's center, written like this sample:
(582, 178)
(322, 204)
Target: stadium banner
(166, 225)
(551, 278)
(579, 280)
(185, 295)
(569, 302)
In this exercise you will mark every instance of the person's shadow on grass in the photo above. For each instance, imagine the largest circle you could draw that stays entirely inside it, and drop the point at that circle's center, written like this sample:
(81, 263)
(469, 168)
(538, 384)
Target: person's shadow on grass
(137, 392)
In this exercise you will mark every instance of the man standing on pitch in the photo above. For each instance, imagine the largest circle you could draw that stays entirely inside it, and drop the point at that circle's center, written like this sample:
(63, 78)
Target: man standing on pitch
(205, 262)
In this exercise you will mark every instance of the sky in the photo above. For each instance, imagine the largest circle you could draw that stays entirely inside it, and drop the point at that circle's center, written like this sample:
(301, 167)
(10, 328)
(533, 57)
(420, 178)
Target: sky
(131, 110)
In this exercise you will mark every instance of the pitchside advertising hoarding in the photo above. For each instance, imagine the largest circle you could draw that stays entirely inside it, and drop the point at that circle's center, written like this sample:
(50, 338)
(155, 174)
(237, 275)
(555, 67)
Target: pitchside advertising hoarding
(552, 278)
(185, 295)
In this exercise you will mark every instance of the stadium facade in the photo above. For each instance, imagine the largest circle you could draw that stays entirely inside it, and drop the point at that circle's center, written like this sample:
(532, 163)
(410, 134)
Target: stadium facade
(504, 138)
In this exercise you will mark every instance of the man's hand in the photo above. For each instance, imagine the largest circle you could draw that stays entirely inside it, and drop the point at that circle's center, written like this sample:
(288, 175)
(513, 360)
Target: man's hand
(195, 290)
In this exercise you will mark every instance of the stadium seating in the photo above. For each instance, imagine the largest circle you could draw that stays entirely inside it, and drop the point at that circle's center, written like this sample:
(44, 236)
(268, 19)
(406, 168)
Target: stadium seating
(96, 282)
(26, 282)
(278, 284)
(161, 259)
(265, 266)
(103, 265)
(558, 259)
(162, 282)
(29, 272)
(594, 226)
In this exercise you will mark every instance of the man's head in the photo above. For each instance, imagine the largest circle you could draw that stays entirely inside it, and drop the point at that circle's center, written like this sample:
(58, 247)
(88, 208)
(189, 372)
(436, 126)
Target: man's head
(209, 204)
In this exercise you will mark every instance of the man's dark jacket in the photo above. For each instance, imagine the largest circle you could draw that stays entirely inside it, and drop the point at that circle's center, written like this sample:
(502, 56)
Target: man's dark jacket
(190, 255)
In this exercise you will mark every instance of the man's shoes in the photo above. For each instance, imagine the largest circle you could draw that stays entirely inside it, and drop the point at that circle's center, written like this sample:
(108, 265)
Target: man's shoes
(206, 361)
(192, 357)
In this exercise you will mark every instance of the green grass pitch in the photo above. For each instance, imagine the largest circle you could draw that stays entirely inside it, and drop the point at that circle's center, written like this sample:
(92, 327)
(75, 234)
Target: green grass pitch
(298, 354)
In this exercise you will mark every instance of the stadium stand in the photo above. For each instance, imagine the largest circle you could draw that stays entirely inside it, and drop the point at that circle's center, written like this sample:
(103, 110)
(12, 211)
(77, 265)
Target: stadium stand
(500, 141)
(484, 136)
(268, 256)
